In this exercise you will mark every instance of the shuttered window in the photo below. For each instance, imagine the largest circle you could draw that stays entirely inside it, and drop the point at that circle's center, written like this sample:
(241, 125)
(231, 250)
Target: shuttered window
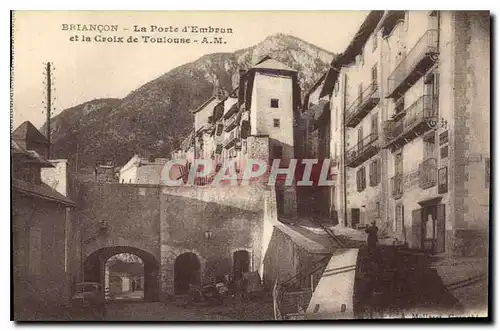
(375, 124)
(361, 179)
(375, 172)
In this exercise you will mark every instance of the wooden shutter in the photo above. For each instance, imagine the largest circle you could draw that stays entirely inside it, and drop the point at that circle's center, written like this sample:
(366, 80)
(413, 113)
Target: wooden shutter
(363, 178)
(440, 229)
(375, 124)
(371, 174)
(360, 186)
(378, 170)
(416, 229)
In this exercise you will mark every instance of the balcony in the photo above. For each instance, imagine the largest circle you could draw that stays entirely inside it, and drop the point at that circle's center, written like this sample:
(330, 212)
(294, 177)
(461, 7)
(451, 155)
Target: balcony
(232, 122)
(362, 151)
(414, 65)
(233, 138)
(418, 118)
(427, 173)
(397, 186)
(368, 99)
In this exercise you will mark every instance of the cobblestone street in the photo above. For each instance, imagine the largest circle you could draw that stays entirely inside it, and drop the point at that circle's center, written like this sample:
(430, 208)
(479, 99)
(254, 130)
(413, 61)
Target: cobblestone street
(232, 309)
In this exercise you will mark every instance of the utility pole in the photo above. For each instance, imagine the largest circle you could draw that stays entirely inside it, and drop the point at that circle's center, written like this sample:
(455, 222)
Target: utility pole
(49, 106)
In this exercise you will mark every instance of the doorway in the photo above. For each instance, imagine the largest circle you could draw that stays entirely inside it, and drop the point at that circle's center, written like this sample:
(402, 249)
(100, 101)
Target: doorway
(429, 228)
(241, 262)
(186, 271)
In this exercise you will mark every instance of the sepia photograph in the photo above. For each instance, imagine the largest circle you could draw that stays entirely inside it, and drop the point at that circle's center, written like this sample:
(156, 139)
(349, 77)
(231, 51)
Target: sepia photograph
(250, 165)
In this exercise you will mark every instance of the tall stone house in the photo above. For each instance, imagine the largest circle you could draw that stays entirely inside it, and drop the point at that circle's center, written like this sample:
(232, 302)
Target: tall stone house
(42, 220)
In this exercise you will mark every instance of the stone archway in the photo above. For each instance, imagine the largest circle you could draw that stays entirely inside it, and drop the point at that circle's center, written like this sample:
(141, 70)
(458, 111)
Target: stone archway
(94, 268)
(187, 270)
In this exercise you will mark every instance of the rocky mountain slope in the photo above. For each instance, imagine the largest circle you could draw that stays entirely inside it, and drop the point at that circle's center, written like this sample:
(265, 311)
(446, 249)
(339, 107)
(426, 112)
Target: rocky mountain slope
(153, 119)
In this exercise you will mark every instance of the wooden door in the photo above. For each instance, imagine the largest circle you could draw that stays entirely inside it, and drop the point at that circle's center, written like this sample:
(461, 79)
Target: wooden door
(416, 229)
(440, 228)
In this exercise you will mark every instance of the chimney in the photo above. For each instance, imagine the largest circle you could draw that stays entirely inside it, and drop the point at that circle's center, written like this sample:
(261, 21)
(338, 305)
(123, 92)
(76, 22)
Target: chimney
(241, 87)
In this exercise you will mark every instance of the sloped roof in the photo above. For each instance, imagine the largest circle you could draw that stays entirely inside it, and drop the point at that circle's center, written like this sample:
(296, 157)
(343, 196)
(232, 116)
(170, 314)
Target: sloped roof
(272, 64)
(29, 156)
(43, 191)
(27, 132)
(206, 103)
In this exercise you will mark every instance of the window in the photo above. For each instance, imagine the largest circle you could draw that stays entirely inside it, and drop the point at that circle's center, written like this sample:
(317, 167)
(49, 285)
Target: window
(336, 88)
(398, 163)
(374, 42)
(360, 137)
(375, 172)
(444, 152)
(362, 58)
(35, 250)
(375, 124)
(374, 77)
(275, 103)
(399, 106)
(277, 151)
(377, 209)
(276, 123)
(361, 179)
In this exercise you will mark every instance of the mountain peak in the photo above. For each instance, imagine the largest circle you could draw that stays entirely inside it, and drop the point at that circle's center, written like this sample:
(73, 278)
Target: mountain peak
(151, 119)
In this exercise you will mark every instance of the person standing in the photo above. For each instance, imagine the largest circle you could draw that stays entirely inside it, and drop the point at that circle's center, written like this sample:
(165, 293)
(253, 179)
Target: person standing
(372, 239)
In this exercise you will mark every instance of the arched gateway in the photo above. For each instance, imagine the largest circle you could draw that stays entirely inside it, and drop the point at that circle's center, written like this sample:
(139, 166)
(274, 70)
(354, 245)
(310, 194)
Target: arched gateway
(94, 268)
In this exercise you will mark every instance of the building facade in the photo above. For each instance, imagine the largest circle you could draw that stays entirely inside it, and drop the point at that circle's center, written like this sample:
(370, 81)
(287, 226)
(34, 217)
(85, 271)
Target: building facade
(142, 171)
(43, 232)
(254, 121)
(415, 158)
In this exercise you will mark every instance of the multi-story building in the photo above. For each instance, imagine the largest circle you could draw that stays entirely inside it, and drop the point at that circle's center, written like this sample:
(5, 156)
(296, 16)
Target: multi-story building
(436, 128)
(255, 120)
(415, 158)
(43, 228)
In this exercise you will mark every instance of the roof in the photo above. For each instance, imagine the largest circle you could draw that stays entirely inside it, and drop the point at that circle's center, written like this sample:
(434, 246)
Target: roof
(355, 46)
(365, 30)
(43, 191)
(312, 89)
(273, 65)
(389, 21)
(27, 132)
(29, 156)
(203, 105)
(331, 76)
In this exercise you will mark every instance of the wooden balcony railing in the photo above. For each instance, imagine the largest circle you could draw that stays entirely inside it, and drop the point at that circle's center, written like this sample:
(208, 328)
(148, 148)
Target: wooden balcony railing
(414, 65)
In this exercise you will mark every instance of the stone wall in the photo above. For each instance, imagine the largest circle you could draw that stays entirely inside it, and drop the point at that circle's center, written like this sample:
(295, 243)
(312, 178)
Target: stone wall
(36, 288)
(211, 222)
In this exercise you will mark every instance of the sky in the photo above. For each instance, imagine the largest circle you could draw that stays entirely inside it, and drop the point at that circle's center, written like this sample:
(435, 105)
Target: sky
(85, 71)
